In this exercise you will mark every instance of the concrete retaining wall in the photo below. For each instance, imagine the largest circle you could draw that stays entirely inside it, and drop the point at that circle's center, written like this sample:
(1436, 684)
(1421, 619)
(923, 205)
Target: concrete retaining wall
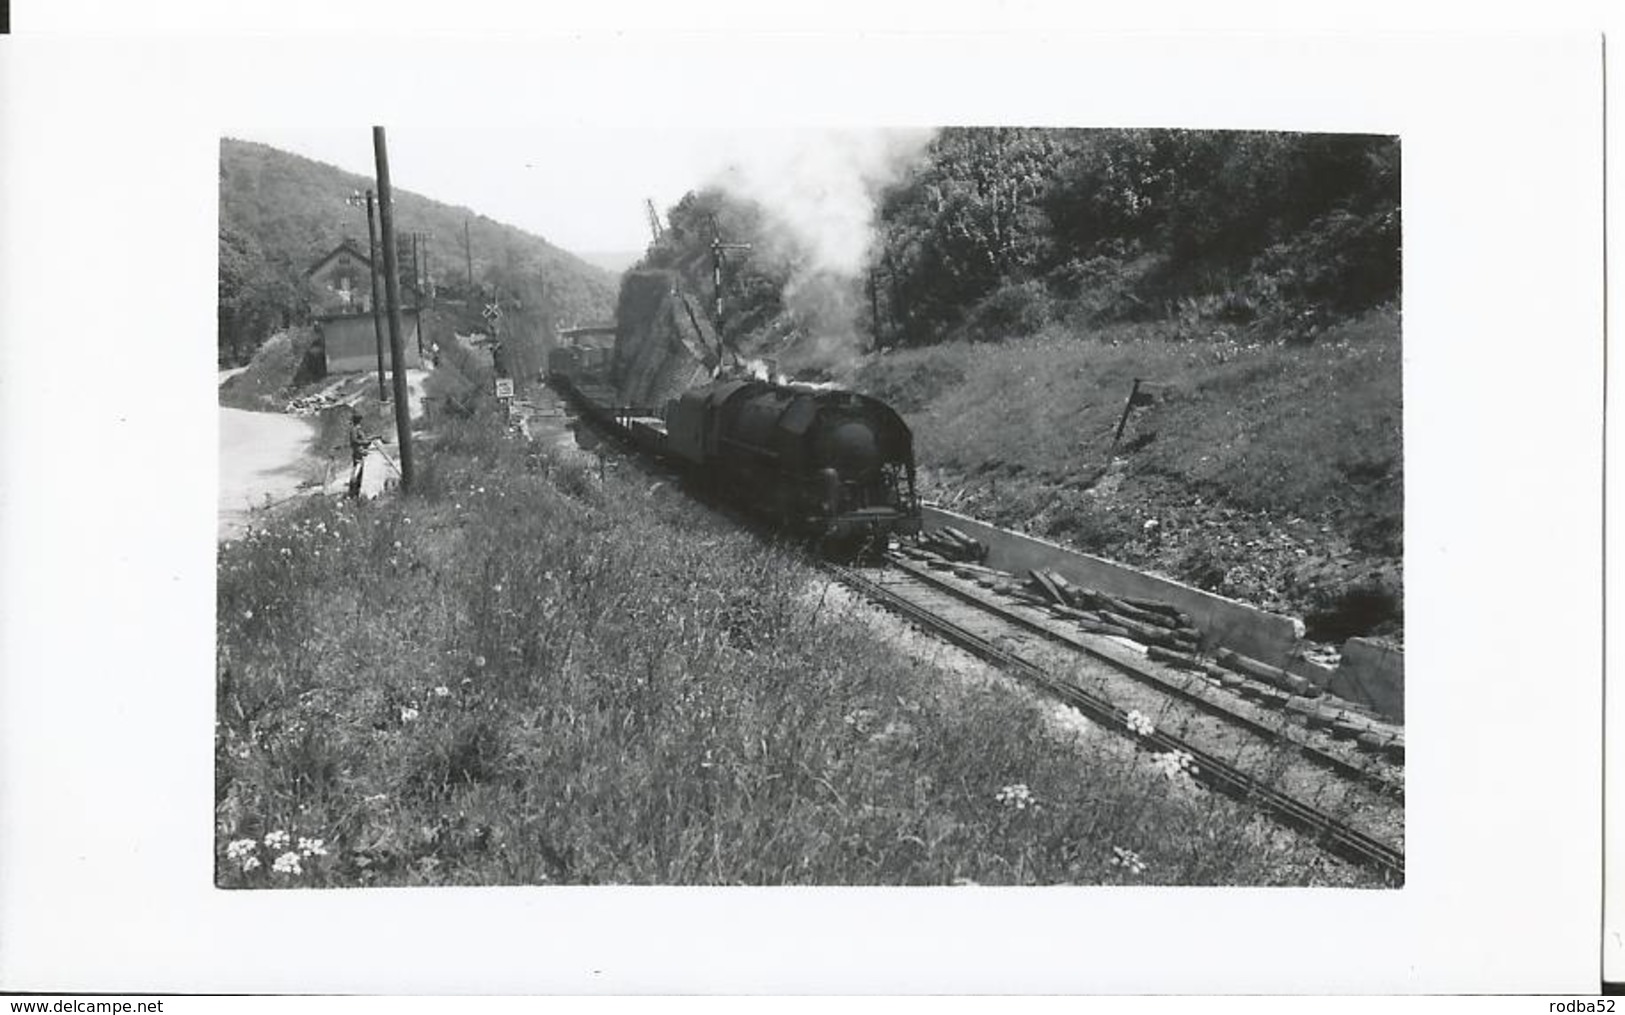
(1370, 674)
(1373, 675)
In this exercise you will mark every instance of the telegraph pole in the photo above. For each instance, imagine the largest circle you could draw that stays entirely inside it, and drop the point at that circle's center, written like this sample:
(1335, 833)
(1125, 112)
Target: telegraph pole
(392, 284)
(874, 311)
(417, 291)
(428, 272)
(468, 255)
(717, 250)
(377, 312)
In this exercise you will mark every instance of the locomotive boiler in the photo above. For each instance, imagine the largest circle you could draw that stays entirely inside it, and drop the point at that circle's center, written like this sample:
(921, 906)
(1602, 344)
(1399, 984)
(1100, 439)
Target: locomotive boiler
(833, 465)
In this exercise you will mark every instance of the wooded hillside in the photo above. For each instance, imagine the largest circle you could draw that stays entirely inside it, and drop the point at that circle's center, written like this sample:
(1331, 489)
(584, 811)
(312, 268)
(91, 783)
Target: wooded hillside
(279, 212)
(996, 233)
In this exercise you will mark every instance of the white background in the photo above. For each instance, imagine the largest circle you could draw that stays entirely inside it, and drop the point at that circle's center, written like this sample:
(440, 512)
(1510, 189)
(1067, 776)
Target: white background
(108, 162)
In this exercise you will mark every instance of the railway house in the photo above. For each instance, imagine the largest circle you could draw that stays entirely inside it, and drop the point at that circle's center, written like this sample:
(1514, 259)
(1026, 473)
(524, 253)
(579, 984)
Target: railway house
(342, 280)
(342, 312)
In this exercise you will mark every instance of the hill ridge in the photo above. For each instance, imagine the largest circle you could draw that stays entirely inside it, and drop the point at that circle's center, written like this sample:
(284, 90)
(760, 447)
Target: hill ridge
(280, 210)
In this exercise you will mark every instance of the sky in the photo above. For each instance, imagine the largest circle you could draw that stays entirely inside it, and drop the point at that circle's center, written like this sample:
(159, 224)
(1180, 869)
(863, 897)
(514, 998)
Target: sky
(580, 188)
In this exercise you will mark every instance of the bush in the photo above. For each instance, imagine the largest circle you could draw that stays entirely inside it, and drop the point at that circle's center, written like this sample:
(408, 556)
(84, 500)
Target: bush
(910, 384)
(287, 359)
(1011, 311)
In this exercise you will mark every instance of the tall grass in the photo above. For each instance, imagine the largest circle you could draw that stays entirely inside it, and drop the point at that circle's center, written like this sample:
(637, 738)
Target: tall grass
(1019, 430)
(526, 674)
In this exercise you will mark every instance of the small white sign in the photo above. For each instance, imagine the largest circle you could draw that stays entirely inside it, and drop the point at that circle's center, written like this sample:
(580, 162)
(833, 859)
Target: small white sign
(504, 387)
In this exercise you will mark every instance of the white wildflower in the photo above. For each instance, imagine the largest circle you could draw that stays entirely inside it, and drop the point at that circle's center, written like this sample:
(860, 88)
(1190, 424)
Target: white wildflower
(251, 864)
(287, 863)
(1174, 764)
(397, 544)
(1016, 795)
(479, 662)
(248, 614)
(442, 691)
(1140, 723)
(276, 840)
(239, 848)
(312, 847)
(408, 713)
(1128, 859)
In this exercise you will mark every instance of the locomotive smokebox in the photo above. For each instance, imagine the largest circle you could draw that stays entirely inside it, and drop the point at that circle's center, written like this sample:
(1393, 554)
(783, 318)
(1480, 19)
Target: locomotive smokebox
(850, 447)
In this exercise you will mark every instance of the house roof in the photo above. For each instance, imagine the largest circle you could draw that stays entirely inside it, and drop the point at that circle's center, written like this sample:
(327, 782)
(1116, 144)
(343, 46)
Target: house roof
(346, 246)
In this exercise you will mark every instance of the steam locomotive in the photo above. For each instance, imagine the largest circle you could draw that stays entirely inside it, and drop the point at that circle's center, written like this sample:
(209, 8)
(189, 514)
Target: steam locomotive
(832, 466)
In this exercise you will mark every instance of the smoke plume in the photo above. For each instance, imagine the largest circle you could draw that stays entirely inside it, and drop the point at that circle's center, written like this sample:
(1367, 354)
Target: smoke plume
(819, 191)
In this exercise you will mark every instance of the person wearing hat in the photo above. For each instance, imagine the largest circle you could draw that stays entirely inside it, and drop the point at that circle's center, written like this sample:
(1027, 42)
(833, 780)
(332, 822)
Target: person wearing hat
(360, 442)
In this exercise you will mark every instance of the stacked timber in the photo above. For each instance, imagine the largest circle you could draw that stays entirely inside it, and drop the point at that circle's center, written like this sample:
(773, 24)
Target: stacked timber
(1274, 676)
(1151, 623)
(951, 544)
(1369, 734)
(1170, 638)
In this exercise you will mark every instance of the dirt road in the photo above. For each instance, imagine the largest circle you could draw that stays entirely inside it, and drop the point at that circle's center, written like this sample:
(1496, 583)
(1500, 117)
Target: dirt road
(261, 454)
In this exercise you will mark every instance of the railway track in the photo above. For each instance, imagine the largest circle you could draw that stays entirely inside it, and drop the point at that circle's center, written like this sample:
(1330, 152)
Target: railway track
(1345, 762)
(1352, 806)
(1340, 809)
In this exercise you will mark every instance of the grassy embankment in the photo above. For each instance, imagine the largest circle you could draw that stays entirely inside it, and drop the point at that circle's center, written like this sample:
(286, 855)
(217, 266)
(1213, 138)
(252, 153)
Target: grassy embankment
(525, 674)
(1269, 472)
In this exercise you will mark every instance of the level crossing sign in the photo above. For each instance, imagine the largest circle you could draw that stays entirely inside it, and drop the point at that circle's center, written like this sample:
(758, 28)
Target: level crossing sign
(492, 312)
(504, 387)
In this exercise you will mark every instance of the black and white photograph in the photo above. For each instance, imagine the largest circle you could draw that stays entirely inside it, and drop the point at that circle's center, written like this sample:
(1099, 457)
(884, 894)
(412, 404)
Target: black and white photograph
(960, 506)
(887, 510)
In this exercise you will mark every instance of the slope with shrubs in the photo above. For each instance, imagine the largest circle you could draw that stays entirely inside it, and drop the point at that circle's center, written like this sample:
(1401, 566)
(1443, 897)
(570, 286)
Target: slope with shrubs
(1272, 473)
(524, 673)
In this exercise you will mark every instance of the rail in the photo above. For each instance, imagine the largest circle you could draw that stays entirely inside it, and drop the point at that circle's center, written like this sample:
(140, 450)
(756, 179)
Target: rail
(1336, 836)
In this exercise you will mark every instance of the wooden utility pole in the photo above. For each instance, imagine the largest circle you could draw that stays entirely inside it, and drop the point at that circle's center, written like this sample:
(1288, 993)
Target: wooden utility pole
(428, 272)
(392, 288)
(417, 291)
(718, 252)
(377, 312)
(468, 255)
(874, 311)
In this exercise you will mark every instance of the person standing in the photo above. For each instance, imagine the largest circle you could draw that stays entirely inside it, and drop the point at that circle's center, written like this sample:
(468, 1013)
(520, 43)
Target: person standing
(360, 446)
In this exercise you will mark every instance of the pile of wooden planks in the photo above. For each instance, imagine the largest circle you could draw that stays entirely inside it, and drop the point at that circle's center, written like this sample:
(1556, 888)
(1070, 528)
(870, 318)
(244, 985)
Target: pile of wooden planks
(1171, 638)
(1370, 734)
(1146, 621)
(952, 544)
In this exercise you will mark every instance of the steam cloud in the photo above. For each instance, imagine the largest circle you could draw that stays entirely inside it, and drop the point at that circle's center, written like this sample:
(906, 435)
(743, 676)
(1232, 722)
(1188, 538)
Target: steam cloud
(818, 189)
